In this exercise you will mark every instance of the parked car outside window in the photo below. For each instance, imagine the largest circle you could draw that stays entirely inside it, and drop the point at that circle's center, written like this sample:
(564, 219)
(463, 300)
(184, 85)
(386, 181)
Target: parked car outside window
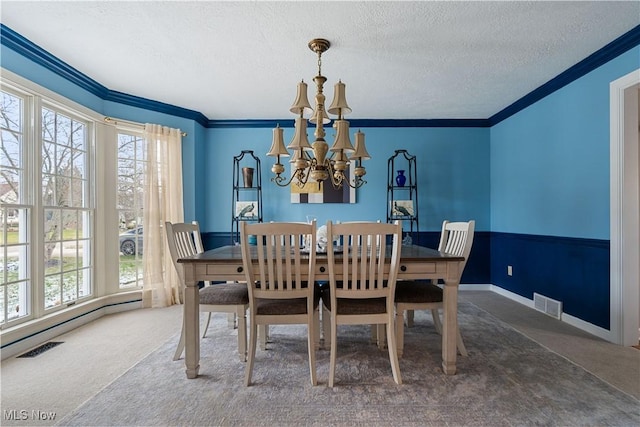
(130, 240)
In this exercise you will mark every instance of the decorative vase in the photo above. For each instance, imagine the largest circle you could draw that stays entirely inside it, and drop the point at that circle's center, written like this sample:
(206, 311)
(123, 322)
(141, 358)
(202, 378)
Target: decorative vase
(247, 177)
(400, 178)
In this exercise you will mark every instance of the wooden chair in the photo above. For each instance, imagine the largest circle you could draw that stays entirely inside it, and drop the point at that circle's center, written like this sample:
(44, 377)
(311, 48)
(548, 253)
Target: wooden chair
(184, 240)
(456, 238)
(281, 282)
(362, 282)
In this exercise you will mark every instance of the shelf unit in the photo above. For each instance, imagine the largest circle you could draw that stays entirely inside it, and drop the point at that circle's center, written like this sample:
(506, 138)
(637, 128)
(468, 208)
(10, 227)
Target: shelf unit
(245, 198)
(402, 200)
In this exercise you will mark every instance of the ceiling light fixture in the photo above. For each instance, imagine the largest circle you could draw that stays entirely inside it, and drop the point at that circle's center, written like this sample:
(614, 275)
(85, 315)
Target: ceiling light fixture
(310, 160)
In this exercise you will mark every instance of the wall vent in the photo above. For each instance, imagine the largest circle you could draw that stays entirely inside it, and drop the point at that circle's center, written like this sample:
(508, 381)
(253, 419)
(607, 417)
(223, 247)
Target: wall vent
(547, 305)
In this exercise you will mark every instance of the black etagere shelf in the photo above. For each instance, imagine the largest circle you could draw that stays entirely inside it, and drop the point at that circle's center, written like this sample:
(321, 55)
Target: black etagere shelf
(402, 192)
(246, 204)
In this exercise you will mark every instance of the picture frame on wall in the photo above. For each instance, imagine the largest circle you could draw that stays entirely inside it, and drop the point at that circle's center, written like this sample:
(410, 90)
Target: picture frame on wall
(247, 210)
(402, 209)
(323, 192)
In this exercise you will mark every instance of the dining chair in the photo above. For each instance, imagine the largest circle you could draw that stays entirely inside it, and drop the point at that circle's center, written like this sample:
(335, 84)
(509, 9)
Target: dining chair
(362, 282)
(280, 278)
(456, 238)
(184, 240)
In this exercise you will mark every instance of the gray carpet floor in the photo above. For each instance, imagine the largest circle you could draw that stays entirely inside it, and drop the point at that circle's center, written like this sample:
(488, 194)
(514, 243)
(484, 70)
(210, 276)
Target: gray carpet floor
(507, 380)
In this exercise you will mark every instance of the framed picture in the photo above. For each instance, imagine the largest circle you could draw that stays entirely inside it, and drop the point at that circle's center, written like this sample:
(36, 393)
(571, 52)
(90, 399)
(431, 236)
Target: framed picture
(402, 209)
(323, 192)
(247, 210)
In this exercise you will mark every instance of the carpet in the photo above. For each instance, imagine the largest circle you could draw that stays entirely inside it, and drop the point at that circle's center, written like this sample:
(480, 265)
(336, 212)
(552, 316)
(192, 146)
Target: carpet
(507, 380)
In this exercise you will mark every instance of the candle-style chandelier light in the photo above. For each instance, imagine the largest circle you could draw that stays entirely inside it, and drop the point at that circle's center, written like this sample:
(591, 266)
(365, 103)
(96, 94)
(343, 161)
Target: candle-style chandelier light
(310, 160)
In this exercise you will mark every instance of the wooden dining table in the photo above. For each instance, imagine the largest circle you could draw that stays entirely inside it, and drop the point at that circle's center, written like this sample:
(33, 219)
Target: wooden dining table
(225, 264)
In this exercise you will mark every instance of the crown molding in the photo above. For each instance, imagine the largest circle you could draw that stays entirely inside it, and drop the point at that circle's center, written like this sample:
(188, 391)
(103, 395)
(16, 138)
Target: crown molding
(35, 53)
(627, 41)
(355, 123)
(31, 51)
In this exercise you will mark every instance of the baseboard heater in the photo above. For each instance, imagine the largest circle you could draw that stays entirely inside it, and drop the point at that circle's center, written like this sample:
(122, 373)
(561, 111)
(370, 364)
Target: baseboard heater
(547, 305)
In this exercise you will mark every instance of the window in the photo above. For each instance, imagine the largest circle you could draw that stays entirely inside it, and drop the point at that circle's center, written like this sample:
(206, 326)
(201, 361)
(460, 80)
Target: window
(131, 167)
(47, 211)
(14, 212)
(67, 211)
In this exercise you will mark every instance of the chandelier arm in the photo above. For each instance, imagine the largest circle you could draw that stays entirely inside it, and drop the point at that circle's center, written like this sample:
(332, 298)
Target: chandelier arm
(283, 182)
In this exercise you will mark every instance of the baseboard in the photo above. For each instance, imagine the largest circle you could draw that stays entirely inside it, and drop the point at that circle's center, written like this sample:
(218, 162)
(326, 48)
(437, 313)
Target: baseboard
(475, 287)
(588, 327)
(25, 336)
(566, 318)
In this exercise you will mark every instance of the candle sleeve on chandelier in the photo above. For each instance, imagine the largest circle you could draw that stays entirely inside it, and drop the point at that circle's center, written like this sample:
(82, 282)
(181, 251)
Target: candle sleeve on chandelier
(361, 151)
(300, 139)
(342, 141)
(277, 146)
(301, 104)
(339, 105)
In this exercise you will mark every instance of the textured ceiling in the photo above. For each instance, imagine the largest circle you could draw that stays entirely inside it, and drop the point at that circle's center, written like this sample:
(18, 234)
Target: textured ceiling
(400, 60)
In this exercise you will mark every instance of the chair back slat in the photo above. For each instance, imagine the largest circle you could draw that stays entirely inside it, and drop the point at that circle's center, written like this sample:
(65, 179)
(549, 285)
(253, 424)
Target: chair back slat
(184, 240)
(456, 239)
(276, 265)
(367, 267)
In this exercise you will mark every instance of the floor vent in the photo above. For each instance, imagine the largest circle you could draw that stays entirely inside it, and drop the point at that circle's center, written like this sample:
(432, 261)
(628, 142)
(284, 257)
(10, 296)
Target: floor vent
(547, 305)
(41, 349)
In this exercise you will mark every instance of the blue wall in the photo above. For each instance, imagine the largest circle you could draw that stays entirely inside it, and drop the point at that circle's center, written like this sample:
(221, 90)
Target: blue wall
(452, 166)
(550, 195)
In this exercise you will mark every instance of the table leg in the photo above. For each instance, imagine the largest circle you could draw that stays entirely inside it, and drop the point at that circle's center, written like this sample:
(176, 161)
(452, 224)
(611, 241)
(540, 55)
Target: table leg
(450, 327)
(191, 322)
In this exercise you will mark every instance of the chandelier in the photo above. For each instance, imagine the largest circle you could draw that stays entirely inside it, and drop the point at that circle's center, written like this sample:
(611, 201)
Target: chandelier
(310, 160)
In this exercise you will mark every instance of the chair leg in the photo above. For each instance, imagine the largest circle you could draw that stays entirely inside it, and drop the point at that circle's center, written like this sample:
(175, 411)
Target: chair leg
(382, 339)
(400, 332)
(393, 351)
(263, 334)
(374, 334)
(253, 332)
(180, 348)
(438, 324)
(326, 328)
(232, 321)
(317, 328)
(436, 320)
(461, 348)
(409, 318)
(311, 341)
(242, 333)
(204, 333)
(332, 359)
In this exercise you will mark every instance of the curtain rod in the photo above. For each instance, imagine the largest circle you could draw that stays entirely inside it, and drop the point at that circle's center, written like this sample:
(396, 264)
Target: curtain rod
(128, 123)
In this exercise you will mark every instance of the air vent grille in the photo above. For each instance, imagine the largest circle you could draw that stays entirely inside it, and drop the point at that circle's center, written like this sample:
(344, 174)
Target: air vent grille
(547, 305)
(41, 349)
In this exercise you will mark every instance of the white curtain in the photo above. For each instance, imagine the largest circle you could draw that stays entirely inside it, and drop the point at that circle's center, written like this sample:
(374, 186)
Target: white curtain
(162, 202)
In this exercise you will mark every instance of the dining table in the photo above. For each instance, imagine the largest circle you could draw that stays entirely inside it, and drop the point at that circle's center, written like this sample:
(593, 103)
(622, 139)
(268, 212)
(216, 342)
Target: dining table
(225, 264)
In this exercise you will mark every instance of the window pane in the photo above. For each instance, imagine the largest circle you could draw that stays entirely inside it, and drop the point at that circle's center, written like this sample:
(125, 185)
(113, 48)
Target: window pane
(14, 216)
(52, 288)
(67, 221)
(63, 130)
(10, 153)
(131, 164)
(10, 183)
(11, 112)
(70, 286)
